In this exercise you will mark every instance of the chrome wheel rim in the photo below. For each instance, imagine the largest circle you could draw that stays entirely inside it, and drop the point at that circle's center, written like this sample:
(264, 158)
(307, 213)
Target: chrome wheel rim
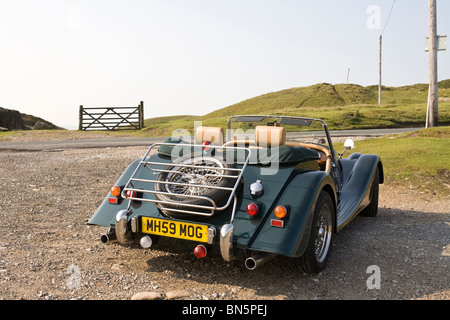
(323, 233)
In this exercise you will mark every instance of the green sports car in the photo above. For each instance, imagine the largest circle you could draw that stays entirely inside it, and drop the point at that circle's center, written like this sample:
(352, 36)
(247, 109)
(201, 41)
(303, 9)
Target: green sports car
(251, 193)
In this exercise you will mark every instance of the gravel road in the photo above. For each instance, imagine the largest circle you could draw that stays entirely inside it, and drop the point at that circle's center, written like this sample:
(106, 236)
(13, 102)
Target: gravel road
(47, 251)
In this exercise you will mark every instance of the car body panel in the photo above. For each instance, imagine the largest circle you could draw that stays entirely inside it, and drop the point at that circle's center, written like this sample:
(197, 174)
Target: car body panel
(300, 195)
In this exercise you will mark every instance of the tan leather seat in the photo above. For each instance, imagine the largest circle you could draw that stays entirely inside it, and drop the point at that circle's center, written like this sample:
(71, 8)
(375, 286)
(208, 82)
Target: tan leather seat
(268, 136)
(215, 135)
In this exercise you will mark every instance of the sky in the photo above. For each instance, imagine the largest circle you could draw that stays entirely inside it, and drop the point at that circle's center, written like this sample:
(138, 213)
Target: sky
(196, 56)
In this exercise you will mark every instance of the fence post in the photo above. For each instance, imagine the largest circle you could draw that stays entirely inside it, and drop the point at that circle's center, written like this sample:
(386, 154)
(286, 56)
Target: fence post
(80, 118)
(141, 115)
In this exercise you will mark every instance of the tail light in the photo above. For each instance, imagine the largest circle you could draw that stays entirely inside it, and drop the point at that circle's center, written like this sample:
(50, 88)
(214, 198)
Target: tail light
(205, 145)
(115, 191)
(131, 194)
(252, 209)
(280, 212)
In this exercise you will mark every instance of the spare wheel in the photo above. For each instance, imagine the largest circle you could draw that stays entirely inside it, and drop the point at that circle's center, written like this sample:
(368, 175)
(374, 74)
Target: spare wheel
(194, 185)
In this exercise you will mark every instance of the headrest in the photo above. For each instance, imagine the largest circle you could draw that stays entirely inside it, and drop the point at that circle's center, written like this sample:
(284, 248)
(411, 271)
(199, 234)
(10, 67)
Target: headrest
(267, 136)
(214, 135)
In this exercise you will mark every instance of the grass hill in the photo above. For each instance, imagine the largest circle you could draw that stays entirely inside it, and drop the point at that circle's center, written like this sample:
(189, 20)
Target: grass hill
(342, 106)
(319, 95)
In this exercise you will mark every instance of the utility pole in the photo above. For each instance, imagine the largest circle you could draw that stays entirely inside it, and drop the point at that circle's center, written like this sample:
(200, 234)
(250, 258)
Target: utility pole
(432, 106)
(348, 73)
(379, 73)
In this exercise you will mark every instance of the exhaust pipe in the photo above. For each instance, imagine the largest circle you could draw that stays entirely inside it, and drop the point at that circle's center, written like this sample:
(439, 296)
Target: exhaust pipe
(258, 260)
(108, 237)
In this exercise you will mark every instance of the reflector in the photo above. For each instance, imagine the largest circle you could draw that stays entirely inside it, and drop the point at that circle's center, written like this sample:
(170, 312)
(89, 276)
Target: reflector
(113, 200)
(277, 223)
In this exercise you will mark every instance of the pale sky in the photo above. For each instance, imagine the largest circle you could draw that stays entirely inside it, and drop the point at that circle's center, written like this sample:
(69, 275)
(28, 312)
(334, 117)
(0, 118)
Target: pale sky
(196, 56)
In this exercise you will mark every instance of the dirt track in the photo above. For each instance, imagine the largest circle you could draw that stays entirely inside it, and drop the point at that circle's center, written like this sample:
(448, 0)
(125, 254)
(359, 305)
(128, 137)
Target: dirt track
(47, 251)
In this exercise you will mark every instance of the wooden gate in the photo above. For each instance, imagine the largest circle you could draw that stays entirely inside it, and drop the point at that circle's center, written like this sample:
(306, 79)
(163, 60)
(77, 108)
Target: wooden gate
(111, 118)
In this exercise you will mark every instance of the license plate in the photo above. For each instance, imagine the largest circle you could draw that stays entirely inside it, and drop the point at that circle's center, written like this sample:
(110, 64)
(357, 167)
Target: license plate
(175, 229)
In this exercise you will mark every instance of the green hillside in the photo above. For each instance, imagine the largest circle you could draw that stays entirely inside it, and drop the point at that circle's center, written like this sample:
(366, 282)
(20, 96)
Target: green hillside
(319, 95)
(342, 106)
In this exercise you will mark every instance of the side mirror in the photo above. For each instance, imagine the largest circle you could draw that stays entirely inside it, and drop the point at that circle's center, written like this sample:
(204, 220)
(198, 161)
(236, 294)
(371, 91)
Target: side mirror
(348, 145)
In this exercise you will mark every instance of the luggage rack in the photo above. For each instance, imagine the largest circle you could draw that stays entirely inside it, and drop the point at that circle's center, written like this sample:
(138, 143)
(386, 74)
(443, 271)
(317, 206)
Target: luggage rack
(156, 167)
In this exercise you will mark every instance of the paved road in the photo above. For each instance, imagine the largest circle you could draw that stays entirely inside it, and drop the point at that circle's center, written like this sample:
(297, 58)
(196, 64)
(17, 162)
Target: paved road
(123, 142)
(77, 144)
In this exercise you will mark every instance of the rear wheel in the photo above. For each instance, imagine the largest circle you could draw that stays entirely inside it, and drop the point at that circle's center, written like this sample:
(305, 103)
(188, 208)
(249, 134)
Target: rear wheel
(318, 249)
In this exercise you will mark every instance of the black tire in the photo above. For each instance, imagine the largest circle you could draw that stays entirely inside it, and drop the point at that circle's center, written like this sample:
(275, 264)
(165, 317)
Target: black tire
(318, 249)
(197, 176)
(372, 209)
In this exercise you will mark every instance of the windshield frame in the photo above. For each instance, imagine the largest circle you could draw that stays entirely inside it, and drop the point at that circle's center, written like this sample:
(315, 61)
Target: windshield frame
(300, 121)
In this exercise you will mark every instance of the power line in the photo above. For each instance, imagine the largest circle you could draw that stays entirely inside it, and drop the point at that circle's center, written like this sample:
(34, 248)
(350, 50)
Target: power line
(379, 54)
(392, 7)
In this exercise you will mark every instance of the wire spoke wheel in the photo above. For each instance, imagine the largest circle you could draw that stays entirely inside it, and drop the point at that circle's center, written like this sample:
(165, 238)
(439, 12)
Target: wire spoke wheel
(197, 180)
(323, 233)
(194, 183)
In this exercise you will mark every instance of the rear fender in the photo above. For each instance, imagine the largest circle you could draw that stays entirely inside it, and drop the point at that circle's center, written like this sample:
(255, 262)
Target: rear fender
(300, 197)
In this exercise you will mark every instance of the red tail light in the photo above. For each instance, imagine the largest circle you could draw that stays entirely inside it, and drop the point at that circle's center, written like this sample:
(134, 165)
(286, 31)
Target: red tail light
(205, 146)
(252, 209)
(131, 194)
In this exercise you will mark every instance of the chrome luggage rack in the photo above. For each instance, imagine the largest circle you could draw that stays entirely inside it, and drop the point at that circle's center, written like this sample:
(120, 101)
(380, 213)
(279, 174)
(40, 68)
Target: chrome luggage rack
(196, 209)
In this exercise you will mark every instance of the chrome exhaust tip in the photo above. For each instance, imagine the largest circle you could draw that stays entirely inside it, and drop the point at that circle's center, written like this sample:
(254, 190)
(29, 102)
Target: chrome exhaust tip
(258, 260)
(108, 237)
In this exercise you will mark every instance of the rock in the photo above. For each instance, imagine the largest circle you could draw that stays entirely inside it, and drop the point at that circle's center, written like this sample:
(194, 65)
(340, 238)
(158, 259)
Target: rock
(176, 294)
(147, 295)
(14, 120)
(11, 119)
(117, 266)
